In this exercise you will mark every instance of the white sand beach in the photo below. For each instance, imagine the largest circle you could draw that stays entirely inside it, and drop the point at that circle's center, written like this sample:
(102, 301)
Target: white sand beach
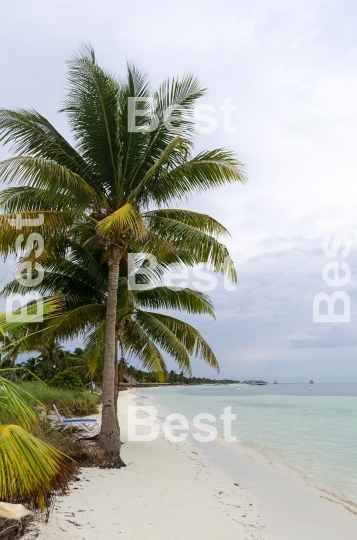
(171, 490)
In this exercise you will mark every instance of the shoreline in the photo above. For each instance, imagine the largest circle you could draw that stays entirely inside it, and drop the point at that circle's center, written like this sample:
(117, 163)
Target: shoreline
(308, 511)
(295, 473)
(202, 491)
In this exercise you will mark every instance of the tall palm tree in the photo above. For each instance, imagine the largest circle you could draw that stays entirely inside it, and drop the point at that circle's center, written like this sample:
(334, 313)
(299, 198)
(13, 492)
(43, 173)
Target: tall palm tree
(111, 180)
(79, 282)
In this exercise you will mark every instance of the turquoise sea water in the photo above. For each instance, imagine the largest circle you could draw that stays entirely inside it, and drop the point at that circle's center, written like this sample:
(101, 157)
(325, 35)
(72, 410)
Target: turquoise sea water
(313, 431)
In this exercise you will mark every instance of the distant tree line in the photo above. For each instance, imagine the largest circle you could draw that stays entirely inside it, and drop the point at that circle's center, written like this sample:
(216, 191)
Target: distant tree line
(54, 360)
(173, 378)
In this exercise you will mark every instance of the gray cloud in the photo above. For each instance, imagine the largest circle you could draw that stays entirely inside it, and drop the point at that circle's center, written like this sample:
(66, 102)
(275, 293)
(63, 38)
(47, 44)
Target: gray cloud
(290, 68)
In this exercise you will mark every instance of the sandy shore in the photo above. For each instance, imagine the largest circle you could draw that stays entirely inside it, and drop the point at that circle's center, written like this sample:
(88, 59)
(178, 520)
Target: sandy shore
(171, 490)
(163, 492)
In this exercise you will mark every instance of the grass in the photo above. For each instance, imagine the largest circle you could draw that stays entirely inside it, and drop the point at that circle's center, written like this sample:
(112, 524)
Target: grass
(68, 402)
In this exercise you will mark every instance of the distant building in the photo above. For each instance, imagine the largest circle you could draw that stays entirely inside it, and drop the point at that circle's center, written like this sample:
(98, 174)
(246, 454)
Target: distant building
(129, 379)
(255, 383)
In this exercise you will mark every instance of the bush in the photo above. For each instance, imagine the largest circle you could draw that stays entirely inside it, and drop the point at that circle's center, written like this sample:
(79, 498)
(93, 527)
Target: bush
(67, 380)
(31, 470)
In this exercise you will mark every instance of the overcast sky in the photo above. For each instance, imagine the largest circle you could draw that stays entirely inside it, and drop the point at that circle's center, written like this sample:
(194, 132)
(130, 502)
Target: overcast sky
(291, 70)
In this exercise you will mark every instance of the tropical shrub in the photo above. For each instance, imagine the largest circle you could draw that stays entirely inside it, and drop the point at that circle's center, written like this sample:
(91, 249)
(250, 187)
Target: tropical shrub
(67, 380)
(31, 470)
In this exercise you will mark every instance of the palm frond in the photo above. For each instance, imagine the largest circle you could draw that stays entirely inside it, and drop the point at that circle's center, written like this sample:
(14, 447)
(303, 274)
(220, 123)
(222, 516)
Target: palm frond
(66, 188)
(29, 467)
(202, 222)
(94, 351)
(167, 157)
(74, 323)
(125, 219)
(31, 134)
(194, 302)
(208, 170)
(203, 247)
(175, 101)
(14, 402)
(92, 107)
(136, 342)
(188, 336)
(18, 319)
(164, 338)
(50, 224)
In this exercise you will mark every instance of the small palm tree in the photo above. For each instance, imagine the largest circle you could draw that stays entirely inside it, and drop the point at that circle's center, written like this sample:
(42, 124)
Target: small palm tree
(30, 469)
(111, 181)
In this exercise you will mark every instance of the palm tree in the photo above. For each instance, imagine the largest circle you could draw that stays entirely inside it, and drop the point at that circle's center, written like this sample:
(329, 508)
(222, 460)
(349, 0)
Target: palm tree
(79, 281)
(17, 342)
(112, 179)
(52, 352)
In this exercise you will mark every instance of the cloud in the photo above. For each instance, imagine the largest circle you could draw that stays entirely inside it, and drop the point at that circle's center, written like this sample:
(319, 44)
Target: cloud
(290, 69)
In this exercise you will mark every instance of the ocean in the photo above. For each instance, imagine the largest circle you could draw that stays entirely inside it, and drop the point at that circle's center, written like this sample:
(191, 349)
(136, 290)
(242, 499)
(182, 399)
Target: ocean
(313, 432)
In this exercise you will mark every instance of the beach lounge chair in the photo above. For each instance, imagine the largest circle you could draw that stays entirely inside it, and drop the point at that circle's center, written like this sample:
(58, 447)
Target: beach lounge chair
(65, 423)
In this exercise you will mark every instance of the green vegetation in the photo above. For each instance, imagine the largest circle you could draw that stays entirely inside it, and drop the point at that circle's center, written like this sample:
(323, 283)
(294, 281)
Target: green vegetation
(67, 380)
(173, 378)
(52, 361)
(68, 402)
(180, 378)
(31, 470)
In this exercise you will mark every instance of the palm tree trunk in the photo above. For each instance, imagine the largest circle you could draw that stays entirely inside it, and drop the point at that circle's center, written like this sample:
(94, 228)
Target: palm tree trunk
(109, 437)
(11, 374)
(116, 381)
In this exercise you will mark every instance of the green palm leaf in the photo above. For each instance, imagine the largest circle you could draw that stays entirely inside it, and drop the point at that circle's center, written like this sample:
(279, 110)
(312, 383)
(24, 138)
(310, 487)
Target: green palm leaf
(31, 134)
(14, 402)
(55, 227)
(91, 106)
(188, 336)
(202, 222)
(194, 302)
(136, 342)
(29, 467)
(205, 248)
(164, 338)
(125, 219)
(67, 187)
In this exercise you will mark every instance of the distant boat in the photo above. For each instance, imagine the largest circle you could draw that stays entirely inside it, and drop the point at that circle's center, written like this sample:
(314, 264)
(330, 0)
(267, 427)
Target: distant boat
(238, 389)
(275, 382)
(311, 382)
(310, 388)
